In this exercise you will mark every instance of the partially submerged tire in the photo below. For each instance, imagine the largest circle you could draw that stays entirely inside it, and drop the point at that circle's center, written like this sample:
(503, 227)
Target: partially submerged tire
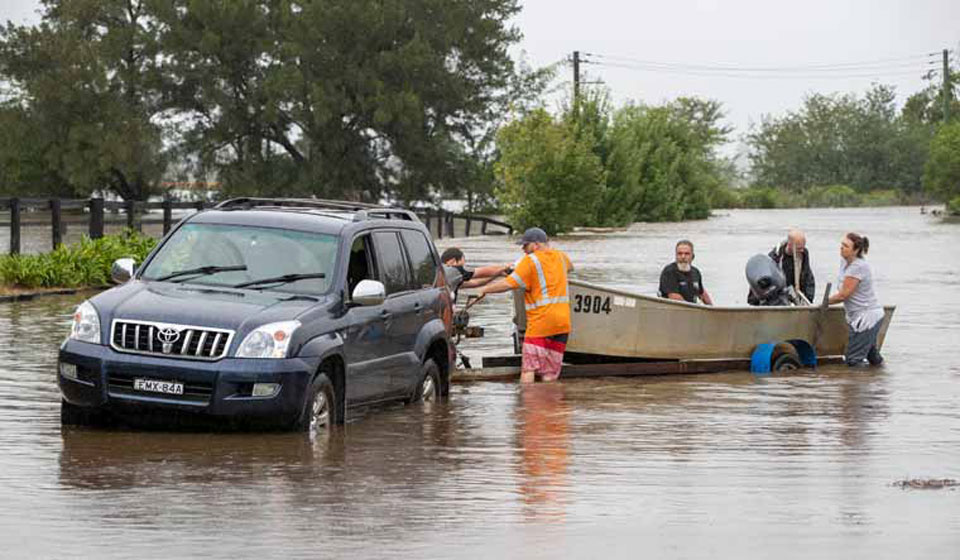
(428, 389)
(320, 408)
(786, 362)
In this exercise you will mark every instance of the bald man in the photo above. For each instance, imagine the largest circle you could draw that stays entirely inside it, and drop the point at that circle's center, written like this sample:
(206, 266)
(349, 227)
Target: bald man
(793, 248)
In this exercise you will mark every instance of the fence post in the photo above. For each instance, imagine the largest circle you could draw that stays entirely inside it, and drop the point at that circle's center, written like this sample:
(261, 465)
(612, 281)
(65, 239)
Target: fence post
(167, 215)
(440, 224)
(450, 232)
(96, 218)
(56, 222)
(131, 206)
(14, 226)
(483, 227)
(426, 215)
(199, 205)
(466, 229)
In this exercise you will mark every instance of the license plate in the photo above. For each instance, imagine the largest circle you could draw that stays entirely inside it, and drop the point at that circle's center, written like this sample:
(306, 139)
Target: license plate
(156, 386)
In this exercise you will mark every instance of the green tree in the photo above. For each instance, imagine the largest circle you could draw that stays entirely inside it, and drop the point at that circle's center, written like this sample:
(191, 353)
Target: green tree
(662, 163)
(862, 142)
(86, 83)
(590, 120)
(942, 171)
(473, 176)
(353, 98)
(548, 176)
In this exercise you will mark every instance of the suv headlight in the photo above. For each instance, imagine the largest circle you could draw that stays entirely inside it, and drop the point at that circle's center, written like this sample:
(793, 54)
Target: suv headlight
(86, 324)
(269, 341)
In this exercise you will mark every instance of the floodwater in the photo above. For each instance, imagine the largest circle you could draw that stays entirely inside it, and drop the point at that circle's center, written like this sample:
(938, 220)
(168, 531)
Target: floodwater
(710, 466)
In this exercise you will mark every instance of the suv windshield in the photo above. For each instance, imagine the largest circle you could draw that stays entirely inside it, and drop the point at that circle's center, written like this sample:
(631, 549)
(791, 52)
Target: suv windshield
(232, 255)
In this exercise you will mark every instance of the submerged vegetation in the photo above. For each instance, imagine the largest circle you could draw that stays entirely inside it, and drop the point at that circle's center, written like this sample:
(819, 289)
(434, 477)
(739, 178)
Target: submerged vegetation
(80, 265)
(835, 196)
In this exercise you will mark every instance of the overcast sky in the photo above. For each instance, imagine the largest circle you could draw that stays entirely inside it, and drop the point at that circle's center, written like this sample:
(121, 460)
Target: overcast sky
(655, 50)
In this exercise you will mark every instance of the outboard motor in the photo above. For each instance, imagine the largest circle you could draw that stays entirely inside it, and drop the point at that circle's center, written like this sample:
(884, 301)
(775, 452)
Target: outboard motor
(767, 281)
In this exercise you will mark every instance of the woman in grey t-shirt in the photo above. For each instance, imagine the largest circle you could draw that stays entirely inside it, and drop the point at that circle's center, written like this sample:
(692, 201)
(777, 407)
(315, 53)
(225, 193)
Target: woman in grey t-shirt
(864, 312)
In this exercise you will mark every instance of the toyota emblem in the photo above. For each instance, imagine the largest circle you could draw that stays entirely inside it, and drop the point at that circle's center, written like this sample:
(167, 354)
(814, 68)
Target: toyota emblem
(167, 336)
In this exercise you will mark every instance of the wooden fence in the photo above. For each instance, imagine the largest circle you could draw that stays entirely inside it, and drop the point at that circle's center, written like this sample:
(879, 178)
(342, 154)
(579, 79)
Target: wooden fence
(439, 222)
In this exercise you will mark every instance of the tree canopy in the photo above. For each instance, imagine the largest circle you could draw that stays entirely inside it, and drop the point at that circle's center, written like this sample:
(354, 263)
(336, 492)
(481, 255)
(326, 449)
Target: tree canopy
(549, 175)
(85, 98)
(598, 166)
(349, 98)
(843, 140)
(942, 173)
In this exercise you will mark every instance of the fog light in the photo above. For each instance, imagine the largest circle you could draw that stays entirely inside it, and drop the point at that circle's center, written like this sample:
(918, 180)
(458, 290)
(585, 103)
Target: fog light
(68, 370)
(265, 389)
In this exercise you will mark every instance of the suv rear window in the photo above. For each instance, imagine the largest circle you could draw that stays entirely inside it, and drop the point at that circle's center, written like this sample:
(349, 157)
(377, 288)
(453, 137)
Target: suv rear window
(422, 260)
(393, 269)
(265, 252)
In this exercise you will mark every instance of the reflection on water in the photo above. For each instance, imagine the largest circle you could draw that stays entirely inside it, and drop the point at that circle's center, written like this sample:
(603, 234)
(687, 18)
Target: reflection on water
(543, 433)
(690, 466)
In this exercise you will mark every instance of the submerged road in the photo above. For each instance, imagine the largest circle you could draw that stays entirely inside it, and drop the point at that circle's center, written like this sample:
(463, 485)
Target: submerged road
(725, 465)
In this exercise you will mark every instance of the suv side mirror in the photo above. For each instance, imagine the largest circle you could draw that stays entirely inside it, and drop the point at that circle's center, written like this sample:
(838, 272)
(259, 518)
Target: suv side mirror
(122, 270)
(368, 292)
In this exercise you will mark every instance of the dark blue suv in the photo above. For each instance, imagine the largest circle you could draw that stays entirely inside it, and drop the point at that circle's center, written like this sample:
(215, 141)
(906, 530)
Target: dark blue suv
(279, 310)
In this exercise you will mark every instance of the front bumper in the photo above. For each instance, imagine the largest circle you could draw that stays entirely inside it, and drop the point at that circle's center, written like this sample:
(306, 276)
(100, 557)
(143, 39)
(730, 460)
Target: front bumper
(104, 379)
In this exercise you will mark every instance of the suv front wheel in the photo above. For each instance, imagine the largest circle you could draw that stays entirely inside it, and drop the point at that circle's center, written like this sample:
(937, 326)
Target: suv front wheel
(428, 390)
(320, 409)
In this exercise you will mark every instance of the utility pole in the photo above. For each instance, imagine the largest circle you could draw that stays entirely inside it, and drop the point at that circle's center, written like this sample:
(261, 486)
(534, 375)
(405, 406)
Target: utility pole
(576, 79)
(946, 86)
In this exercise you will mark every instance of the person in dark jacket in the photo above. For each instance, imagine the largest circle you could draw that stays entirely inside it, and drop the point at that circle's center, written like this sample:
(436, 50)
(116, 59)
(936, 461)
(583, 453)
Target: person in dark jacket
(471, 277)
(783, 255)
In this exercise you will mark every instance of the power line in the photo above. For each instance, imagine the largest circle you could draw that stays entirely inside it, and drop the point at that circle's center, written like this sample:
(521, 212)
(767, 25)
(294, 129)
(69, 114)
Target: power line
(837, 67)
(852, 73)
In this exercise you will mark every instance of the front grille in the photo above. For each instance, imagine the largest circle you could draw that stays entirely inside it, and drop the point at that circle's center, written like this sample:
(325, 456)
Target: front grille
(120, 384)
(169, 340)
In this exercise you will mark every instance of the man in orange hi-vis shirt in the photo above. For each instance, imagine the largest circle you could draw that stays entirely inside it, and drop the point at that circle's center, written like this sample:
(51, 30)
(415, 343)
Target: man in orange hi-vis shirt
(542, 274)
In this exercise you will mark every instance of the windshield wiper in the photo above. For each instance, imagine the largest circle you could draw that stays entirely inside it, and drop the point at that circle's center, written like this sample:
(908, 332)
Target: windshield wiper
(210, 269)
(281, 279)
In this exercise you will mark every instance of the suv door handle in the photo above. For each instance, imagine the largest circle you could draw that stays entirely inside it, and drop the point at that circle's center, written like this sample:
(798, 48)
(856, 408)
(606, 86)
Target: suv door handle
(417, 307)
(384, 313)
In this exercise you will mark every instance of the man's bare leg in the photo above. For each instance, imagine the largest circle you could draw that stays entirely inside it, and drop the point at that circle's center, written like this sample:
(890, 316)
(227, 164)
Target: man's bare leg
(527, 376)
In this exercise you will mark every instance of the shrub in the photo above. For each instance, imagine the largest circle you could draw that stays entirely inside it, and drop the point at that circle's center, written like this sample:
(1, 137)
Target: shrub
(885, 197)
(953, 207)
(726, 197)
(762, 197)
(83, 264)
(831, 196)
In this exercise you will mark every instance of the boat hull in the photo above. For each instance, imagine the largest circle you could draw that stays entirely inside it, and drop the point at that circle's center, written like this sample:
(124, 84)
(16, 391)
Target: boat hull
(608, 322)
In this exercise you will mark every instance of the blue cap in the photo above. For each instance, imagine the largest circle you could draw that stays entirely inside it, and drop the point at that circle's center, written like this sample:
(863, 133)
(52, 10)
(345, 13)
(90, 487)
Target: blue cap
(533, 235)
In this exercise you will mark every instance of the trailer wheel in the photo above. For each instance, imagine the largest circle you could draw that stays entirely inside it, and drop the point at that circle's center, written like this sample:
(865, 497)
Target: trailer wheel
(786, 362)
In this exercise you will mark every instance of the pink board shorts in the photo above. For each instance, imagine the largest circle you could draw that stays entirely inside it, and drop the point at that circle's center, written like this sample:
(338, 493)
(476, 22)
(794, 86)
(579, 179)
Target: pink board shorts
(544, 355)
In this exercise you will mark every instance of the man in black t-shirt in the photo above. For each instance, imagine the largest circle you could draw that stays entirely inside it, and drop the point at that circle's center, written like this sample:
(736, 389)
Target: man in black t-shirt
(470, 278)
(682, 281)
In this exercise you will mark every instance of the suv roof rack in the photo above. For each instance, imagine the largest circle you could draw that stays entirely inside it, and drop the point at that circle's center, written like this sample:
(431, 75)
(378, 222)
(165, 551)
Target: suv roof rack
(361, 210)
